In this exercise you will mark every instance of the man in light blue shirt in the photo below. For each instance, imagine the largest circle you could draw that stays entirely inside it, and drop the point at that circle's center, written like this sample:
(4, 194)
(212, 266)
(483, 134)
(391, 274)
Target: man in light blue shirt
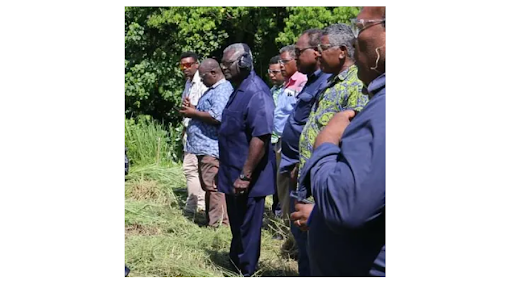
(202, 135)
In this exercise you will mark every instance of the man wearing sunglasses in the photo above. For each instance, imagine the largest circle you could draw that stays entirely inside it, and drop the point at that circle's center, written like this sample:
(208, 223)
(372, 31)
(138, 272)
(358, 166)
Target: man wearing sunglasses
(194, 89)
(247, 163)
(346, 173)
(307, 58)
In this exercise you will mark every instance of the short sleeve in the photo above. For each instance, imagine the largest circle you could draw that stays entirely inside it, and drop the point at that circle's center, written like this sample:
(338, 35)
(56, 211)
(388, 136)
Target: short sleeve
(219, 100)
(260, 114)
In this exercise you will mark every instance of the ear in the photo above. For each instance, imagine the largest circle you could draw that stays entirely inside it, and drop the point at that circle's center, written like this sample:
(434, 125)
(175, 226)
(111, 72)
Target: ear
(344, 52)
(317, 53)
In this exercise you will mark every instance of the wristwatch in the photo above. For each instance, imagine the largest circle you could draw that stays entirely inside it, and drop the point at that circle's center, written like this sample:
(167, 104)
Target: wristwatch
(244, 177)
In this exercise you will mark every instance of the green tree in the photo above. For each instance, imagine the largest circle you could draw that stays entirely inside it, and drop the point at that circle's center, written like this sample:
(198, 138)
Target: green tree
(155, 37)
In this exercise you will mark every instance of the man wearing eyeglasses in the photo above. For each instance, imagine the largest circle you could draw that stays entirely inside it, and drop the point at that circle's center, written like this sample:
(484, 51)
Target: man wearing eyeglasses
(346, 173)
(276, 77)
(194, 89)
(285, 102)
(307, 58)
(343, 91)
(247, 163)
(202, 134)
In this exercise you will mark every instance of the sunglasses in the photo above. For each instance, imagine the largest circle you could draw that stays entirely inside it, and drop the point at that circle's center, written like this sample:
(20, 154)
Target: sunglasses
(298, 51)
(184, 66)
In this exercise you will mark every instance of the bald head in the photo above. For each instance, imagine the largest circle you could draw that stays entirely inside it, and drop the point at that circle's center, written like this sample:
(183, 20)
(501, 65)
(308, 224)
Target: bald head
(371, 43)
(210, 64)
(210, 72)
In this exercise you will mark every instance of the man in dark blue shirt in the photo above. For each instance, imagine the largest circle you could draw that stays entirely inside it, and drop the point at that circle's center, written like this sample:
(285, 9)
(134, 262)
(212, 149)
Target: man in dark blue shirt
(346, 173)
(247, 163)
(308, 63)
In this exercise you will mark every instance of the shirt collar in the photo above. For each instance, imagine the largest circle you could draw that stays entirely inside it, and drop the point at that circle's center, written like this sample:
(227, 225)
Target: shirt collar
(245, 83)
(196, 78)
(294, 77)
(221, 81)
(343, 74)
(315, 74)
(377, 84)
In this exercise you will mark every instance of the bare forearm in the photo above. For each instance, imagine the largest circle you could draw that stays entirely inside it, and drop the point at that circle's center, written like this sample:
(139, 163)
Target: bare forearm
(257, 148)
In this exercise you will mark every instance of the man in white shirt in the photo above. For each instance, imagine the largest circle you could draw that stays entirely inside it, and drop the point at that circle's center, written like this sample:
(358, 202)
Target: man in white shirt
(194, 89)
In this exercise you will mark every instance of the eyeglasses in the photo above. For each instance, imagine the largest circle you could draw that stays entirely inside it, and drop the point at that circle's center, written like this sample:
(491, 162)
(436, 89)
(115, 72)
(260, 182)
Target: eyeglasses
(283, 62)
(183, 66)
(275, 72)
(298, 51)
(324, 47)
(359, 25)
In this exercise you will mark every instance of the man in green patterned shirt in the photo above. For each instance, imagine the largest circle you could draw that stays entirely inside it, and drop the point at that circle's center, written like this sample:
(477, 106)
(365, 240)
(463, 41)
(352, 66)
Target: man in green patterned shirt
(342, 91)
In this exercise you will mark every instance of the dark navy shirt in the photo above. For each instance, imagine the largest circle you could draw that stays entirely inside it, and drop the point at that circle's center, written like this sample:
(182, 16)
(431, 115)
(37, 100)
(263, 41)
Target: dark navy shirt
(347, 224)
(249, 113)
(298, 118)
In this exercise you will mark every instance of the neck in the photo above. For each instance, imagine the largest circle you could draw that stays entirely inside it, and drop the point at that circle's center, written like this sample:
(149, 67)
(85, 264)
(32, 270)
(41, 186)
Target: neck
(237, 81)
(348, 62)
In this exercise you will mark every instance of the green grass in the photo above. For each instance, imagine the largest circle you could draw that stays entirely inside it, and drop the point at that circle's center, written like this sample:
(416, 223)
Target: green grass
(150, 142)
(161, 241)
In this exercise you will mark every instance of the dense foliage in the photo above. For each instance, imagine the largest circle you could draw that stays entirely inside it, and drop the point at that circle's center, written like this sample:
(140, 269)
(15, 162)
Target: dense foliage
(155, 38)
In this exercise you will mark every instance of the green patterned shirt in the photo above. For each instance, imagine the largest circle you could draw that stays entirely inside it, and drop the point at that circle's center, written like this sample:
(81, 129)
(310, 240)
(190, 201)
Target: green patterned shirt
(344, 92)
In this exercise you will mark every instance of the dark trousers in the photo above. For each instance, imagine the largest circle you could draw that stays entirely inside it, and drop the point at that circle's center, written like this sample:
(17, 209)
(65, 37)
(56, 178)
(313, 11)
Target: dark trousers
(301, 238)
(245, 218)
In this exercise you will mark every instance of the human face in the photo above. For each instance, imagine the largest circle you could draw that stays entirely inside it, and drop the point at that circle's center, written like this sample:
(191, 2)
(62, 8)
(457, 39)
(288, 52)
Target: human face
(189, 66)
(288, 65)
(275, 75)
(208, 76)
(306, 55)
(331, 56)
(229, 66)
(370, 45)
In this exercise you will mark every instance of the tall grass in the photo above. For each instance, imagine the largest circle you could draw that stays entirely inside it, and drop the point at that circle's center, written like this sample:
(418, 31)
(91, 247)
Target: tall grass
(150, 142)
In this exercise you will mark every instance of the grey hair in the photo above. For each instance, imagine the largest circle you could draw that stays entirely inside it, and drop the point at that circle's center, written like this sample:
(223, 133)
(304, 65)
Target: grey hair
(341, 34)
(290, 49)
(238, 51)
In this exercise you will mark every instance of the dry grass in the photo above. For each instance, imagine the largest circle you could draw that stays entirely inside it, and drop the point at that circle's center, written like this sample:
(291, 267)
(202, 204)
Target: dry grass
(162, 241)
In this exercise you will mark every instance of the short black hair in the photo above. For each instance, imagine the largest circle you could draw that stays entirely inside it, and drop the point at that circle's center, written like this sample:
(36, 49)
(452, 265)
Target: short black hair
(187, 54)
(274, 60)
(314, 36)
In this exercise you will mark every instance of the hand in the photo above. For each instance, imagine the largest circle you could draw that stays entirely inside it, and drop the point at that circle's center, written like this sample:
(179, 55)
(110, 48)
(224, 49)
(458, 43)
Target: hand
(188, 111)
(186, 103)
(334, 129)
(241, 186)
(301, 215)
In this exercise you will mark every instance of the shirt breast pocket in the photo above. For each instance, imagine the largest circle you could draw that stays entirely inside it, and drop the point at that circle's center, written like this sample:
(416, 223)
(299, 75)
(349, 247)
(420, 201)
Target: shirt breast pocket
(232, 122)
(303, 108)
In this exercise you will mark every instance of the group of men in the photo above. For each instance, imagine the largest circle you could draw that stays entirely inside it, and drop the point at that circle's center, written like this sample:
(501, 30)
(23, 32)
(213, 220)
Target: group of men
(315, 140)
